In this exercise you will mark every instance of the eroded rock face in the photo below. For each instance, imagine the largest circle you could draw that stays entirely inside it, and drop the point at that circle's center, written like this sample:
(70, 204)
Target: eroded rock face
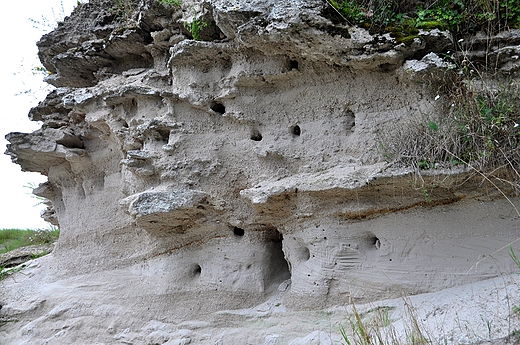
(247, 164)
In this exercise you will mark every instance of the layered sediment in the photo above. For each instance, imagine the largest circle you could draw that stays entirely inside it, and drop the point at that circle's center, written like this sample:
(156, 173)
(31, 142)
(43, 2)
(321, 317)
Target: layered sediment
(190, 177)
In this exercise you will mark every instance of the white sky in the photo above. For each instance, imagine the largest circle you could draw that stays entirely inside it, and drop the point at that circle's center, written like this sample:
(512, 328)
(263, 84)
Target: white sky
(18, 57)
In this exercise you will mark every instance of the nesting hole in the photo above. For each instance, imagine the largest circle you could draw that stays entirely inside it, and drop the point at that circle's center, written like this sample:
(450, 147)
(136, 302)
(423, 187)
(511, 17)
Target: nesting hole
(296, 130)
(375, 242)
(293, 64)
(218, 108)
(387, 67)
(196, 271)
(163, 134)
(255, 135)
(238, 231)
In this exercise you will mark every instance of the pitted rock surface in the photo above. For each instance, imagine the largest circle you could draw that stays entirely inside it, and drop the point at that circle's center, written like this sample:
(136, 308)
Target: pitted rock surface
(204, 186)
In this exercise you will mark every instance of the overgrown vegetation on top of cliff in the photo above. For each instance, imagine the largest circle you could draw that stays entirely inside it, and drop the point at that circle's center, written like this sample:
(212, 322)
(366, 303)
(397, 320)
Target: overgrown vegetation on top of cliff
(403, 18)
(123, 9)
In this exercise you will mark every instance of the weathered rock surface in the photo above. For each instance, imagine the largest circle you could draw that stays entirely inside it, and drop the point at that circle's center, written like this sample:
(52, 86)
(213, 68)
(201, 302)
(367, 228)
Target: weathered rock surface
(24, 254)
(204, 186)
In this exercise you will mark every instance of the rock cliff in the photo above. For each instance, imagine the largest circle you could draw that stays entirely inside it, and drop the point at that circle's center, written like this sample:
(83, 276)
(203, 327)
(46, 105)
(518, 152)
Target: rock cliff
(195, 179)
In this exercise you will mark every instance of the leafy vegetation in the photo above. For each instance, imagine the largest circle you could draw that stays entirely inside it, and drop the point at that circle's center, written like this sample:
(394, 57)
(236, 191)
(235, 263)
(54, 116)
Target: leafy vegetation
(11, 239)
(488, 124)
(403, 20)
(171, 2)
(196, 26)
(445, 14)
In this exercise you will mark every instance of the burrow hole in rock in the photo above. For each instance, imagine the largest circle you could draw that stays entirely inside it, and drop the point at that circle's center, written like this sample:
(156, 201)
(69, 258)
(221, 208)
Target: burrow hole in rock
(218, 108)
(296, 130)
(387, 67)
(350, 120)
(196, 270)
(293, 64)
(163, 134)
(238, 231)
(255, 135)
(374, 242)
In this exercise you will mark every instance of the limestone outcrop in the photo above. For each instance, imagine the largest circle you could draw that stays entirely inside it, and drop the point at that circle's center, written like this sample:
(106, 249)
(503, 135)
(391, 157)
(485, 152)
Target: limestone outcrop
(192, 179)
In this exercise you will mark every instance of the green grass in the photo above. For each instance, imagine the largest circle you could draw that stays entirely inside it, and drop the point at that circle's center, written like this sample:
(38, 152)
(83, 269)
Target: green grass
(171, 2)
(11, 239)
(4, 272)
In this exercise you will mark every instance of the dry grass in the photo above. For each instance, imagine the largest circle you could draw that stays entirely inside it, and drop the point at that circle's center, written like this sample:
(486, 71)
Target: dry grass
(376, 328)
(477, 127)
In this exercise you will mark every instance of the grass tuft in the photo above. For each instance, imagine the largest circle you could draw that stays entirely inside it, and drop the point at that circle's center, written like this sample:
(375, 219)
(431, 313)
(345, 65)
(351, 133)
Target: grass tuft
(375, 327)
